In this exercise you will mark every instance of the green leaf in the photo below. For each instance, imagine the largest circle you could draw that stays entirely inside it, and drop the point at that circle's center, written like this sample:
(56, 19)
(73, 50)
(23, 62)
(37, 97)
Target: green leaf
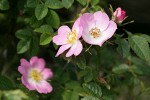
(83, 73)
(4, 5)
(90, 98)
(138, 62)
(74, 85)
(88, 77)
(134, 81)
(145, 94)
(5, 83)
(23, 34)
(34, 45)
(120, 69)
(45, 39)
(52, 19)
(23, 46)
(54, 4)
(15, 95)
(108, 97)
(147, 37)
(65, 77)
(129, 33)
(81, 62)
(96, 8)
(140, 46)
(70, 95)
(30, 94)
(123, 47)
(141, 70)
(32, 3)
(94, 2)
(55, 46)
(34, 22)
(138, 70)
(93, 89)
(45, 29)
(82, 2)
(41, 11)
(140, 66)
(67, 3)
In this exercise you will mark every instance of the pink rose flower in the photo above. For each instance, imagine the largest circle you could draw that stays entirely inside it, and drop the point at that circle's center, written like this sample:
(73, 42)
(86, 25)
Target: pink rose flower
(34, 75)
(68, 38)
(119, 15)
(97, 28)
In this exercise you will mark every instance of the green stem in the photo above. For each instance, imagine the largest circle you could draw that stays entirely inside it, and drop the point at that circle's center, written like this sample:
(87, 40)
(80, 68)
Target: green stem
(128, 23)
(110, 42)
(68, 22)
(88, 48)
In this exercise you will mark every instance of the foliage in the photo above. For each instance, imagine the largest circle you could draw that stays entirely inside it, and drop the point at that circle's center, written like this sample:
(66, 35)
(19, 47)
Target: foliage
(118, 69)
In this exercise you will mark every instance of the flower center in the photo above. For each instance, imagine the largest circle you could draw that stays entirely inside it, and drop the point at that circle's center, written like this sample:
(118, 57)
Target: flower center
(71, 37)
(95, 32)
(35, 75)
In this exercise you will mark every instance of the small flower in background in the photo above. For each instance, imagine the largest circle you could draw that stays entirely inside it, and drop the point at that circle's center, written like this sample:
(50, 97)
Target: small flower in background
(68, 38)
(119, 15)
(97, 28)
(34, 75)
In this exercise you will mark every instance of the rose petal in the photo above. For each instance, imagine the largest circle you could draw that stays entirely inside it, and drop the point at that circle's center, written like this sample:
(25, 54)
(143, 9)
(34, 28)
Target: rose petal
(94, 41)
(23, 70)
(24, 63)
(102, 40)
(44, 87)
(87, 38)
(79, 48)
(37, 63)
(62, 49)
(123, 15)
(120, 14)
(63, 30)
(87, 22)
(108, 33)
(60, 39)
(71, 50)
(117, 12)
(24, 66)
(24, 80)
(47, 73)
(110, 29)
(77, 26)
(101, 20)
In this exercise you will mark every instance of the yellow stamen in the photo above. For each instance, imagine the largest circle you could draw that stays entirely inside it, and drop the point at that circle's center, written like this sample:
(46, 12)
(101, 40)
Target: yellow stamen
(71, 37)
(35, 75)
(95, 32)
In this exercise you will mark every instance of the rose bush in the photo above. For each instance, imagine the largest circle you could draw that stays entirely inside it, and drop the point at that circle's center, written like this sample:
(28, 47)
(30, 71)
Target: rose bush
(71, 50)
